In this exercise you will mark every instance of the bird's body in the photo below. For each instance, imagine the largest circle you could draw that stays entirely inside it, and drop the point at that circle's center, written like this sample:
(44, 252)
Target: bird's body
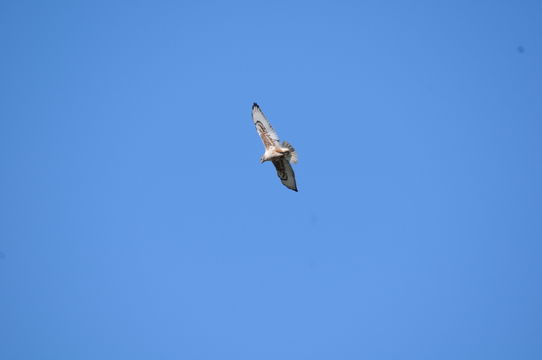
(274, 152)
(280, 154)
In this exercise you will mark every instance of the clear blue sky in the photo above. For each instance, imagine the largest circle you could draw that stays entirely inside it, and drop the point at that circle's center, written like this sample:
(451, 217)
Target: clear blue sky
(137, 223)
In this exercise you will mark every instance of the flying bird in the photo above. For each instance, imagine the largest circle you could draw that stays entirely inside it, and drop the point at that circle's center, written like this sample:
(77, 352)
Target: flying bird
(280, 155)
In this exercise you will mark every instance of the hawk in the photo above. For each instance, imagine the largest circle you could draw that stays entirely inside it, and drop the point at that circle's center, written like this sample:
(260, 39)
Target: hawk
(280, 155)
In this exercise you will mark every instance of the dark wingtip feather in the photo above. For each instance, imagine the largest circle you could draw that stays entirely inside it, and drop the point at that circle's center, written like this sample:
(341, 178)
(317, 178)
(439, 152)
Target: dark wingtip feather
(254, 105)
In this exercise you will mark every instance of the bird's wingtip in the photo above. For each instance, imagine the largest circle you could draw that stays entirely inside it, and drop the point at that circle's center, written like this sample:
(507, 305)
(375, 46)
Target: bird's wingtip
(254, 105)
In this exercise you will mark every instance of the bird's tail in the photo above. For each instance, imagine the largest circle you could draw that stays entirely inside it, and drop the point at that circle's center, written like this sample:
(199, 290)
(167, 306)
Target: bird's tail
(293, 154)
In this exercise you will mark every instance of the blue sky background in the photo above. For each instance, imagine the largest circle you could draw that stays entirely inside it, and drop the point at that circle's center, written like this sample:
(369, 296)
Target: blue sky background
(137, 223)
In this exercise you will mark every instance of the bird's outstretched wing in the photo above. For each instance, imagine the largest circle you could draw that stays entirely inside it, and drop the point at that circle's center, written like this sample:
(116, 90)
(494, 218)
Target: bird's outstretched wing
(265, 130)
(285, 172)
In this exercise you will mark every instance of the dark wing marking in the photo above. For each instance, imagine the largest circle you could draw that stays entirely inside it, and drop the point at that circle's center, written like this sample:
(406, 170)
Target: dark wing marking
(285, 172)
(266, 138)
